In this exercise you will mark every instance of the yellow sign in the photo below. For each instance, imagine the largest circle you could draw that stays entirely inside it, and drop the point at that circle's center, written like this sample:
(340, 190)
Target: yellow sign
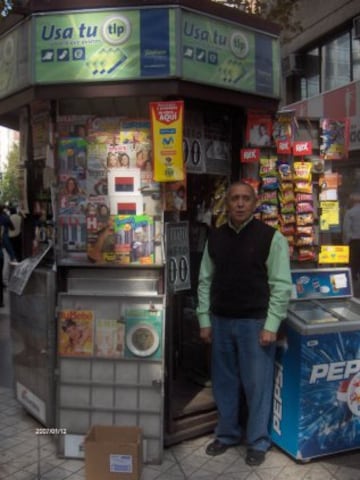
(334, 254)
(167, 137)
(329, 215)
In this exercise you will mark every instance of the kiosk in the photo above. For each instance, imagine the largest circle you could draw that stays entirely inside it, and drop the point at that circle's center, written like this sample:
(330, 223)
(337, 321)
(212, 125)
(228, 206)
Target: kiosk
(78, 84)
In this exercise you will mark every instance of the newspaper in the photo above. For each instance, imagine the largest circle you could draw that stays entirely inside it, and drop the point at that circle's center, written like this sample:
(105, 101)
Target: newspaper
(22, 271)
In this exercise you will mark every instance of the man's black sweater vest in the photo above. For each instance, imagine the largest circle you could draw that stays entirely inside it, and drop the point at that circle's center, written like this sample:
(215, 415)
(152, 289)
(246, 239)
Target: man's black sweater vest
(240, 284)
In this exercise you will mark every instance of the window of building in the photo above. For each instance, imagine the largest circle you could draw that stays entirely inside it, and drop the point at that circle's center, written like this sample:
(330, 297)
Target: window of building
(336, 63)
(310, 81)
(355, 44)
(330, 65)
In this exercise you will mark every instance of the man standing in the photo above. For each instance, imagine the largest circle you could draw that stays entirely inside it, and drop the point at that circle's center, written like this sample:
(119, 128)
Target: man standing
(243, 294)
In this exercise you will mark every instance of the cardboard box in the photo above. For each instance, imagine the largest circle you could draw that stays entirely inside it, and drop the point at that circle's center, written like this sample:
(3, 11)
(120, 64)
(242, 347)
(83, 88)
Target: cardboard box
(113, 453)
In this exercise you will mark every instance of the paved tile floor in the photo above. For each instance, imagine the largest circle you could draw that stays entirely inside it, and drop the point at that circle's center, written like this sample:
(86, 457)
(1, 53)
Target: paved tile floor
(27, 456)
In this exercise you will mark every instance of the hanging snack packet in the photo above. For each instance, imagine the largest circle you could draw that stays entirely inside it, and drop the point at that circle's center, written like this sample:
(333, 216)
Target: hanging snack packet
(303, 197)
(287, 218)
(305, 219)
(269, 212)
(285, 186)
(302, 171)
(269, 197)
(304, 207)
(306, 230)
(270, 183)
(288, 208)
(304, 241)
(267, 167)
(303, 187)
(306, 254)
(286, 196)
(285, 172)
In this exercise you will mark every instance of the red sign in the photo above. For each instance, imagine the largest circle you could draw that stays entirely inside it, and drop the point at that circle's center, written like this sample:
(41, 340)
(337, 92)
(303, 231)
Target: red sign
(283, 147)
(249, 155)
(301, 149)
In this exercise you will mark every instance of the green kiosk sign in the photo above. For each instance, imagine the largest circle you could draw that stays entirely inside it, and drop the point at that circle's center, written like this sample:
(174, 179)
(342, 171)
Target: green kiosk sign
(105, 46)
(139, 44)
(230, 56)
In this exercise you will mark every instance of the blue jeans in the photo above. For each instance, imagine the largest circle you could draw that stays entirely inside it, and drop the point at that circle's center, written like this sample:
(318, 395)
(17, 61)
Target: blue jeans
(239, 362)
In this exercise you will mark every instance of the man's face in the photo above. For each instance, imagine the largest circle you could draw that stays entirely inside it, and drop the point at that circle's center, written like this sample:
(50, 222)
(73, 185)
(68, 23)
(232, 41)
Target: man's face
(241, 203)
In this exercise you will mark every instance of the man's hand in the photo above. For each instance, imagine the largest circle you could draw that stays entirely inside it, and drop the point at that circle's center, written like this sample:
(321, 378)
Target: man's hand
(205, 334)
(266, 338)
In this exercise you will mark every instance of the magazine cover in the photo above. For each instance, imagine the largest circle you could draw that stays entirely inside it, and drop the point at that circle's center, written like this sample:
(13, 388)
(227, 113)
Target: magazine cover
(334, 136)
(109, 338)
(72, 125)
(76, 333)
(135, 239)
(283, 127)
(120, 155)
(96, 172)
(133, 131)
(97, 217)
(103, 129)
(71, 154)
(72, 195)
(72, 233)
(126, 239)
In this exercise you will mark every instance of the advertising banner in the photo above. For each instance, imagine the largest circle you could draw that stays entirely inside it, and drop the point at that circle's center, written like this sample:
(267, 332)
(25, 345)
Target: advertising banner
(222, 53)
(334, 254)
(167, 136)
(15, 60)
(334, 135)
(105, 45)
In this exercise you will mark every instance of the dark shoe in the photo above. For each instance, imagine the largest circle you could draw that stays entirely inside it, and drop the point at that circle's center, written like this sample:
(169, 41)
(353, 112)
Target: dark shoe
(254, 457)
(216, 448)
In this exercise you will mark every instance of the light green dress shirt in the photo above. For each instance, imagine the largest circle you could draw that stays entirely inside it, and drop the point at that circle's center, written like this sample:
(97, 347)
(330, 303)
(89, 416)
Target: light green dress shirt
(279, 277)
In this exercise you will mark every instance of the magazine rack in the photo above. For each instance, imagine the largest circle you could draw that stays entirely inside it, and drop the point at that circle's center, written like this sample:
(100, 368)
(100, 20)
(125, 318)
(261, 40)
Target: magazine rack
(115, 377)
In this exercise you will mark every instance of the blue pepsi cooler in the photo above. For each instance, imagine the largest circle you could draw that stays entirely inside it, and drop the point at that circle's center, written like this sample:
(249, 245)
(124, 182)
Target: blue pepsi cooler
(316, 406)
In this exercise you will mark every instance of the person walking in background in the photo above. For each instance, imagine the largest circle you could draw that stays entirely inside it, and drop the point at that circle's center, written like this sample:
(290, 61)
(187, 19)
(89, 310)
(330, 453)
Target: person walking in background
(243, 295)
(6, 225)
(351, 234)
(16, 234)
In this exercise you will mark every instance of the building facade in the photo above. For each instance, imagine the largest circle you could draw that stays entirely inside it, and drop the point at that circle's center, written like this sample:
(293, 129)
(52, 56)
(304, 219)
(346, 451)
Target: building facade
(321, 78)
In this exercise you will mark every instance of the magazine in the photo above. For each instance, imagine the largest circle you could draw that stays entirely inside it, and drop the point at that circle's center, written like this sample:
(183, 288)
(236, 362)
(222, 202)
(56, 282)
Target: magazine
(72, 152)
(334, 134)
(72, 233)
(96, 172)
(103, 129)
(109, 338)
(135, 131)
(76, 332)
(126, 239)
(72, 193)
